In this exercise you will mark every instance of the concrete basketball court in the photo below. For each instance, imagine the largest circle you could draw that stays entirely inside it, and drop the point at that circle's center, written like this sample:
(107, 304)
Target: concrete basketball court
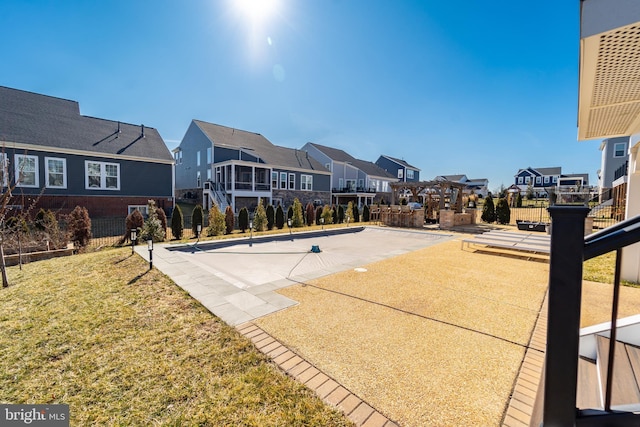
(236, 280)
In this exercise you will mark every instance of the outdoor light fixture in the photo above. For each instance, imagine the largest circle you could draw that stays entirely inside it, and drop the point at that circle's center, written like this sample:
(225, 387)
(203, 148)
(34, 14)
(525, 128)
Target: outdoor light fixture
(446, 205)
(348, 220)
(289, 225)
(134, 236)
(198, 230)
(322, 223)
(250, 233)
(150, 247)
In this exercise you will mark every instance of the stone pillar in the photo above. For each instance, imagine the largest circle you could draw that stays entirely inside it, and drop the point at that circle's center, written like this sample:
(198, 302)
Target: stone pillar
(447, 219)
(474, 215)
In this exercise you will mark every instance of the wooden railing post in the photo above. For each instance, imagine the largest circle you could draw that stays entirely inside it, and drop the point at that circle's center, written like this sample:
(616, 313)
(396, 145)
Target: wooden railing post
(563, 322)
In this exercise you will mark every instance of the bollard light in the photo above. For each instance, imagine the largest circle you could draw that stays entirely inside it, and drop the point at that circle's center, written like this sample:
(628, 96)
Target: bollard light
(198, 230)
(150, 247)
(348, 220)
(289, 225)
(250, 233)
(134, 236)
(322, 223)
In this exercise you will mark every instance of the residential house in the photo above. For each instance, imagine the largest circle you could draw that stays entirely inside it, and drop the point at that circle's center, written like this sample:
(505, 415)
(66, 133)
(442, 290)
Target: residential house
(539, 180)
(612, 176)
(352, 179)
(478, 186)
(399, 168)
(227, 166)
(57, 158)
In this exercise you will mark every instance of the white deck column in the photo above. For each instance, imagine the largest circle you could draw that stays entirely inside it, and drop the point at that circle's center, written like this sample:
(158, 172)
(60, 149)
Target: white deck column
(631, 254)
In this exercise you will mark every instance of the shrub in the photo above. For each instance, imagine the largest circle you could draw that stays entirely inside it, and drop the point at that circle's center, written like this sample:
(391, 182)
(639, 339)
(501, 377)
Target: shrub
(356, 214)
(243, 219)
(519, 201)
(349, 211)
(152, 227)
(365, 213)
(79, 225)
(297, 220)
(229, 220)
(162, 217)
(259, 217)
(177, 222)
(133, 221)
(290, 213)
(310, 215)
(503, 212)
(328, 214)
(340, 214)
(271, 217)
(217, 222)
(197, 218)
(488, 211)
(279, 217)
(318, 214)
(334, 216)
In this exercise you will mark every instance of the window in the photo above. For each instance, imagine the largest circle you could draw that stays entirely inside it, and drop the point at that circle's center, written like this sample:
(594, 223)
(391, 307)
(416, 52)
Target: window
(409, 173)
(361, 183)
(101, 175)
(208, 174)
(546, 179)
(198, 158)
(619, 149)
(400, 173)
(292, 181)
(56, 176)
(527, 180)
(340, 184)
(180, 156)
(306, 182)
(4, 172)
(209, 155)
(274, 179)
(555, 179)
(198, 180)
(520, 180)
(538, 180)
(283, 180)
(144, 209)
(328, 166)
(26, 170)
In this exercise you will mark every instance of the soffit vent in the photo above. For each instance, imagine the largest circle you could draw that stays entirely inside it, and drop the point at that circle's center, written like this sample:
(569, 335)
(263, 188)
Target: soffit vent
(612, 120)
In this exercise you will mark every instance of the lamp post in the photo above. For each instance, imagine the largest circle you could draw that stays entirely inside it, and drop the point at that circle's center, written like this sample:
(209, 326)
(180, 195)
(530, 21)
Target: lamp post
(348, 220)
(198, 230)
(150, 247)
(250, 233)
(322, 223)
(134, 236)
(289, 225)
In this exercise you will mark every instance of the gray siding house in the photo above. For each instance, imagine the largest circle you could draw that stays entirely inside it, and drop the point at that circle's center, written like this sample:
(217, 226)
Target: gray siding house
(541, 179)
(399, 168)
(352, 179)
(232, 167)
(615, 158)
(55, 158)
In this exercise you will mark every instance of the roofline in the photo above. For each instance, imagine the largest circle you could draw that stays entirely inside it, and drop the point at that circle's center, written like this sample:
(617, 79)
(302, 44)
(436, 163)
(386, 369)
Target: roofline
(52, 149)
(395, 161)
(270, 166)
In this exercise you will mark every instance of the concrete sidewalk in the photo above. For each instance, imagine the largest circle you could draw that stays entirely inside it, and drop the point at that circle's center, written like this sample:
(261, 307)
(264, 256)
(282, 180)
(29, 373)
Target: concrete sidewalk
(236, 281)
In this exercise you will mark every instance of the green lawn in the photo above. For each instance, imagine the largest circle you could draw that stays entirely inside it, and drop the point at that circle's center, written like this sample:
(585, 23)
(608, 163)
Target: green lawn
(125, 346)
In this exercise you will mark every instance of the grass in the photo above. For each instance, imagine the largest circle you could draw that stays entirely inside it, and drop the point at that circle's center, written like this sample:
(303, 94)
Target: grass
(601, 269)
(125, 346)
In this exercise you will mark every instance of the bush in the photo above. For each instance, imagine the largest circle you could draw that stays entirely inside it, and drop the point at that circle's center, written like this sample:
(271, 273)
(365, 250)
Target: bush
(349, 211)
(229, 220)
(318, 214)
(177, 222)
(197, 218)
(297, 220)
(356, 214)
(365, 213)
(334, 216)
(259, 217)
(519, 201)
(503, 212)
(133, 221)
(488, 211)
(290, 213)
(340, 214)
(243, 219)
(152, 227)
(271, 217)
(328, 214)
(310, 215)
(279, 217)
(162, 217)
(79, 225)
(217, 222)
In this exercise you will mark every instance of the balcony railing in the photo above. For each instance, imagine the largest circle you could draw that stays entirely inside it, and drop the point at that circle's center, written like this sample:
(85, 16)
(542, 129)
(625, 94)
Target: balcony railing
(353, 190)
(556, 402)
(621, 171)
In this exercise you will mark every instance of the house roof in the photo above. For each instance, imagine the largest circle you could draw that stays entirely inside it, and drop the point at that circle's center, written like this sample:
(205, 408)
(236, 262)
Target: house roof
(55, 124)
(400, 162)
(260, 146)
(541, 171)
(334, 154)
(453, 178)
(372, 169)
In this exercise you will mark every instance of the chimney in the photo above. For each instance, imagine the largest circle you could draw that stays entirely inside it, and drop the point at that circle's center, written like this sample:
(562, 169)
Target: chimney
(142, 134)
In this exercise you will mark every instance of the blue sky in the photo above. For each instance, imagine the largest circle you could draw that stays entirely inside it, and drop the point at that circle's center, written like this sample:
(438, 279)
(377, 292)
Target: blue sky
(453, 87)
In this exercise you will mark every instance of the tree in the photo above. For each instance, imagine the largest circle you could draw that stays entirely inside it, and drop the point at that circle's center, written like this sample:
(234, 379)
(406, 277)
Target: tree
(488, 211)
(229, 219)
(243, 219)
(217, 221)
(259, 217)
(503, 212)
(152, 227)
(310, 215)
(279, 217)
(328, 214)
(334, 216)
(133, 221)
(340, 214)
(177, 222)
(529, 191)
(197, 218)
(318, 214)
(289, 213)
(162, 217)
(271, 217)
(79, 225)
(519, 200)
(297, 219)
(356, 214)
(349, 211)
(365, 213)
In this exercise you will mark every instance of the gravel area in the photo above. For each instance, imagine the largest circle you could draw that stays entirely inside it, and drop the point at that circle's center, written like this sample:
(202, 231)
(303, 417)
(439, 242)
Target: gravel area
(433, 337)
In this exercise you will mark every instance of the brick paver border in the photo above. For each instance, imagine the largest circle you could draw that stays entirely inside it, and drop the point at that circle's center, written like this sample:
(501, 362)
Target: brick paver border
(329, 390)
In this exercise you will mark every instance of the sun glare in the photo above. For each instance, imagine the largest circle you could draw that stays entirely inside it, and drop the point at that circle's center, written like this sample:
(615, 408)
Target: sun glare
(257, 11)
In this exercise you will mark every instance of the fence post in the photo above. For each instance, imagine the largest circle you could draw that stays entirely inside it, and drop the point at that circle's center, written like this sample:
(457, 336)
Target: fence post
(563, 322)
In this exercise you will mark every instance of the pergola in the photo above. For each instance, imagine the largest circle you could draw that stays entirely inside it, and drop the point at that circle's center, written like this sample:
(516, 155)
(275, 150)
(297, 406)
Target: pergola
(447, 194)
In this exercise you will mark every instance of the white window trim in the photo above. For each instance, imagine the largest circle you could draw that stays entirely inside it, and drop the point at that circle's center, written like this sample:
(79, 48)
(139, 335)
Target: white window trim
(274, 180)
(624, 149)
(198, 158)
(546, 179)
(209, 156)
(47, 184)
(409, 173)
(400, 173)
(17, 170)
(103, 176)
(306, 182)
(4, 173)
(144, 209)
(291, 183)
(520, 180)
(538, 180)
(283, 180)
(527, 179)
(198, 179)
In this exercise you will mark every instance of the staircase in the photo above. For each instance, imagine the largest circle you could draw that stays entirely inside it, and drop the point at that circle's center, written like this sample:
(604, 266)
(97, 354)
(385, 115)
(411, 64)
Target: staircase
(216, 195)
(592, 367)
